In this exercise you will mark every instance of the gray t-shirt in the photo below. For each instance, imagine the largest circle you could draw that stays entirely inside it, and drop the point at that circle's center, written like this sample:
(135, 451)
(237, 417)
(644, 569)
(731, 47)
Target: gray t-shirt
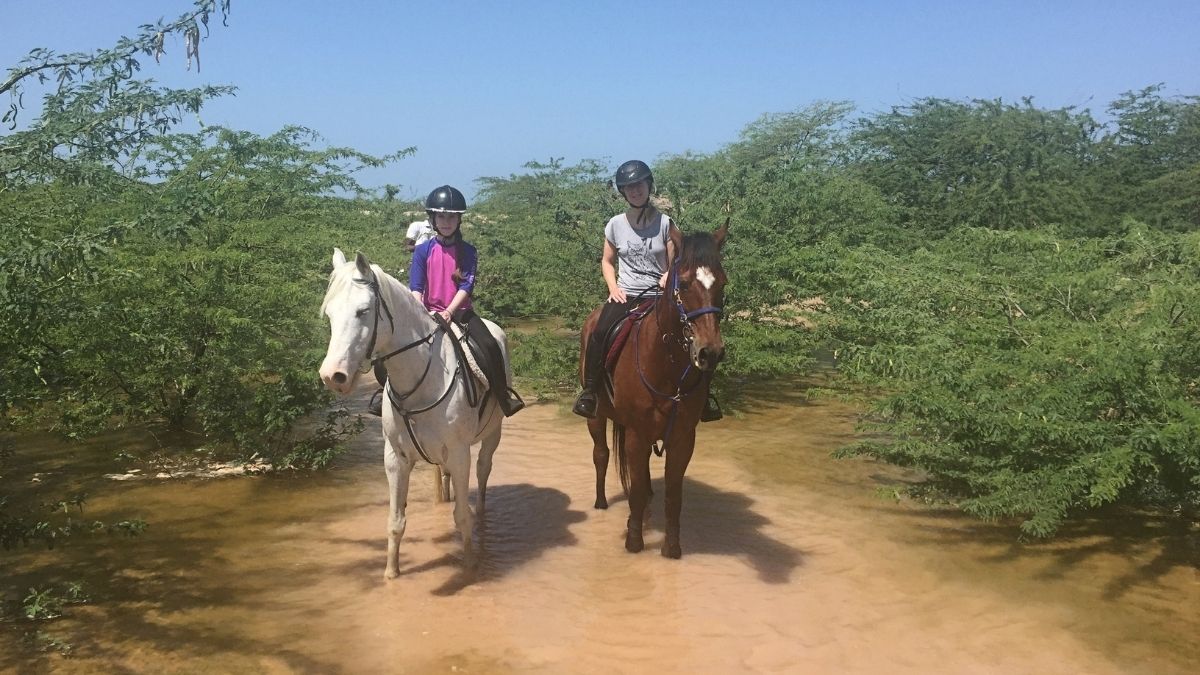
(641, 253)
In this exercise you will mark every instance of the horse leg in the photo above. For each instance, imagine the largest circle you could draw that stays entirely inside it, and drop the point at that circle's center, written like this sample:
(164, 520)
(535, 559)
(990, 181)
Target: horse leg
(459, 465)
(398, 469)
(598, 427)
(679, 454)
(483, 466)
(637, 454)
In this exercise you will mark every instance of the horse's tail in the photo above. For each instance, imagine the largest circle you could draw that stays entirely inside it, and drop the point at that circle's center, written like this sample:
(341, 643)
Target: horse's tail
(622, 460)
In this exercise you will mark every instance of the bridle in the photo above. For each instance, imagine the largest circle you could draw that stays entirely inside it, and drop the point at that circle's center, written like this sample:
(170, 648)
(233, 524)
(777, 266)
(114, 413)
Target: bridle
(685, 317)
(372, 284)
(397, 400)
(688, 329)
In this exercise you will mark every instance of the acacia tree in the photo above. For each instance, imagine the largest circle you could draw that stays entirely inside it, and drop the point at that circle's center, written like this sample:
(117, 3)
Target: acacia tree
(983, 163)
(97, 114)
(61, 182)
(186, 299)
(1150, 164)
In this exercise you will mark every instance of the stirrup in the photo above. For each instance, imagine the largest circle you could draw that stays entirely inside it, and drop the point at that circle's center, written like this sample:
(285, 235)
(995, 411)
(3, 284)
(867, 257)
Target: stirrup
(585, 405)
(375, 405)
(511, 404)
(712, 410)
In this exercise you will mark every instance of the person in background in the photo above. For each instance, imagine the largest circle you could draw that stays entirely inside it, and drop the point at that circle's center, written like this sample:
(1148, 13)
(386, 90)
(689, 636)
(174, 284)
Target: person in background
(634, 265)
(418, 233)
(442, 278)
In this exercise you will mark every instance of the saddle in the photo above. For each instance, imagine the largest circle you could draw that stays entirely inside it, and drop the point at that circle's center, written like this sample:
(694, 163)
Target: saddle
(473, 355)
(617, 337)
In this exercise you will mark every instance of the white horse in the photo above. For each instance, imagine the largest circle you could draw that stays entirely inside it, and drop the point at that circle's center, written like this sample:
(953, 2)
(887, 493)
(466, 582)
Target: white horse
(431, 412)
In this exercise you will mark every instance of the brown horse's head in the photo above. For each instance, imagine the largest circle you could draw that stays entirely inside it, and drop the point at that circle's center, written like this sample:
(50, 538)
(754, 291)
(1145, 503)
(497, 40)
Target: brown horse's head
(697, 289)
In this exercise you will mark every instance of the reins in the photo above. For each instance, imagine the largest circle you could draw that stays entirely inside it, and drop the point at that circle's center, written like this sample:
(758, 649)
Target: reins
(398, 400)
(685, 326)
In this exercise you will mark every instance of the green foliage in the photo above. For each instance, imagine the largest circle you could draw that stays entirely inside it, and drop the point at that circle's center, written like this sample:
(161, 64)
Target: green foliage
(47, 603)
(545, 361)
(1037, 376)
(1151, 160)
(984, 163)
(1019, 282)
(540, 237)
(95, 114)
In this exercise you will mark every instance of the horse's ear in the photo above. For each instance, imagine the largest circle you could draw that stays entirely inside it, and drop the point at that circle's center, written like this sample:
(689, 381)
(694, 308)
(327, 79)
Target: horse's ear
(363, 265)
(339, 258)
(719, 234)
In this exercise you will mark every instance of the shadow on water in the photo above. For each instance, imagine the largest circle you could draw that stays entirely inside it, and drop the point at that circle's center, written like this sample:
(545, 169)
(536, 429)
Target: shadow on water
(718, 522)
(521, 523)
(738, 532)
(1152, 545)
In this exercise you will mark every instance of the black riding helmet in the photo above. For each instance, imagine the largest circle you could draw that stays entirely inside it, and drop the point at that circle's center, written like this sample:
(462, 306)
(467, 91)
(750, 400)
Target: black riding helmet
(633, 171)
(445, 199)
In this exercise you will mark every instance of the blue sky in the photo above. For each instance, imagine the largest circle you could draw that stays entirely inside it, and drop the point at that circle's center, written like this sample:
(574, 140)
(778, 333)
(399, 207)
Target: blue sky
(480, 88)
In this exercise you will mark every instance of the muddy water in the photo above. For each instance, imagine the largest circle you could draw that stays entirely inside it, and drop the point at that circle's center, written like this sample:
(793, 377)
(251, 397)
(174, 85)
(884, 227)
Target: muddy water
(791, 564)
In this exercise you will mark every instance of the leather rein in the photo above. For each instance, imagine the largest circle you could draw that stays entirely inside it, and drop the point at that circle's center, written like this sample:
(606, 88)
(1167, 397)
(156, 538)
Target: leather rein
(685, 319)
(398, 401)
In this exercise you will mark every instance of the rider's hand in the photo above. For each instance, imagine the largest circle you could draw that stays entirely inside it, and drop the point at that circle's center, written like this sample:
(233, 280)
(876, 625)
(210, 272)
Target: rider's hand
(444, 314)
(617, 295)
(662, 281)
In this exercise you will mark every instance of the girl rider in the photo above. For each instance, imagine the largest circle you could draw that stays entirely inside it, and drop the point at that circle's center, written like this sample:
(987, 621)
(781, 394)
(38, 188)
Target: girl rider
(442, 278)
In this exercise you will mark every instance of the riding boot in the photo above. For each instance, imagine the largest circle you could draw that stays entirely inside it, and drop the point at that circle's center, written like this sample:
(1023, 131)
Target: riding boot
(375, 405)
(712, 410)
(585, 405)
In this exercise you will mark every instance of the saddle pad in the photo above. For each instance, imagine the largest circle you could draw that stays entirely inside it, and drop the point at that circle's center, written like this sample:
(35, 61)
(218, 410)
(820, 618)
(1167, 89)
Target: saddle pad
(472, 363)
(620, 334)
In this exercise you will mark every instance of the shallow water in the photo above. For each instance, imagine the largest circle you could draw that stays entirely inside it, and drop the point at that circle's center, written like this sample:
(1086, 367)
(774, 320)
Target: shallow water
(791, 563)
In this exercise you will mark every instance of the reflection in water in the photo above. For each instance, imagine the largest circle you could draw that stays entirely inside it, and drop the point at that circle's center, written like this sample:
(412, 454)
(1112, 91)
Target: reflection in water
(791, 563)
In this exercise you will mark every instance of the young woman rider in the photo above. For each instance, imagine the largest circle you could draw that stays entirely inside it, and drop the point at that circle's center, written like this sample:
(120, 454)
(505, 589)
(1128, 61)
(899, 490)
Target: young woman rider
(634, 265)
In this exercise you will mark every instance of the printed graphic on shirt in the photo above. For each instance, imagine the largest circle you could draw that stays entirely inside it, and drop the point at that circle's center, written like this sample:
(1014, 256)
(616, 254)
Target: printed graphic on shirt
(641, 253)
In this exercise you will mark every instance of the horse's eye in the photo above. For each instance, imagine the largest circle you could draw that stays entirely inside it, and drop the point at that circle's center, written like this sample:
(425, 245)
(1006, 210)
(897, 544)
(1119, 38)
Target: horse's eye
(684, 285)
(359, 314)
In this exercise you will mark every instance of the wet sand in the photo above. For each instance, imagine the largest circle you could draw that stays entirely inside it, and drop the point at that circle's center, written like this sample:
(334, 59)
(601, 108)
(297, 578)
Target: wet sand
(791, 563)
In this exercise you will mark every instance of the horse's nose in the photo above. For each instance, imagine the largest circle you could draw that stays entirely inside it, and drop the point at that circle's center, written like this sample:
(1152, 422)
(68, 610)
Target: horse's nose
(709, 357)
(336, 380)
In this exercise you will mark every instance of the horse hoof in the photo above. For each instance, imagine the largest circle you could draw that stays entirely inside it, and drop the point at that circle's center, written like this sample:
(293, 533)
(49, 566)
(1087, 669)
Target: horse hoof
(390, 574)
(634, 544)
(672, 551)
(601, 503)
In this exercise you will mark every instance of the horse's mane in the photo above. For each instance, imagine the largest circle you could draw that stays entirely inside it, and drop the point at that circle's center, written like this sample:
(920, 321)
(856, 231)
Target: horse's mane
(700, 250)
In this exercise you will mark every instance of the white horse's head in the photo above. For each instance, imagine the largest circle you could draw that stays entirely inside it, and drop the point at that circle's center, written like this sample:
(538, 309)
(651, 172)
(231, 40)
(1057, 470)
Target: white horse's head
(354, 309)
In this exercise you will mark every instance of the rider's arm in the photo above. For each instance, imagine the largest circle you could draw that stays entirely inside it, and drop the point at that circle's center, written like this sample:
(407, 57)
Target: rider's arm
(662, 280)
(459, 298)
(608, 266)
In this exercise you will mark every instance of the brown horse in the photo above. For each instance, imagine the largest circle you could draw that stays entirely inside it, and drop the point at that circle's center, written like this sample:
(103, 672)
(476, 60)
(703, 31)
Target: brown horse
(660, 383)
